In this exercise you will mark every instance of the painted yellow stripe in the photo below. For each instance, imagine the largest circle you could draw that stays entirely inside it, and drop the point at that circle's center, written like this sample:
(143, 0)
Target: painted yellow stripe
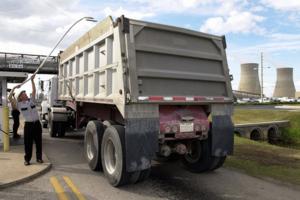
(58, 189)
(74, 188)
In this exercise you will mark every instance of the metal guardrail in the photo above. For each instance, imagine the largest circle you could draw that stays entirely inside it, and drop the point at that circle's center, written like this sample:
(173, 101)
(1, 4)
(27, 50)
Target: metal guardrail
(19, 62)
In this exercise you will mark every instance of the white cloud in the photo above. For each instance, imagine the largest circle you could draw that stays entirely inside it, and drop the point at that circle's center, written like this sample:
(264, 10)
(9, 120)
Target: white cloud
(35, 26)
(237, 14)
(236, 22)
(128, 13)
(270, 47)
(257, 9)
(169, 6)
(176, 5)
(18, 47)
(284, 5)
(294, 17)
(285, 37)
(224, 8)
(195, 7)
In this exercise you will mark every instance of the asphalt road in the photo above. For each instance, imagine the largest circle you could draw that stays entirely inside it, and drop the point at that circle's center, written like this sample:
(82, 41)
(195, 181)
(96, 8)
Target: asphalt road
(167, 181)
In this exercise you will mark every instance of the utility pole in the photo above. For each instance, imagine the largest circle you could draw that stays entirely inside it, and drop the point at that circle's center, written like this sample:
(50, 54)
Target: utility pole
(262, 76)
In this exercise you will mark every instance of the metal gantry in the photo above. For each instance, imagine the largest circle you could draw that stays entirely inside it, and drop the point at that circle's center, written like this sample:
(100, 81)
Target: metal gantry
(19, 62)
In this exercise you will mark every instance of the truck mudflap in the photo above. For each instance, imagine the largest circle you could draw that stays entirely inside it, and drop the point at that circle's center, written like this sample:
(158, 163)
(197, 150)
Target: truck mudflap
(222, 135)
(141, 139)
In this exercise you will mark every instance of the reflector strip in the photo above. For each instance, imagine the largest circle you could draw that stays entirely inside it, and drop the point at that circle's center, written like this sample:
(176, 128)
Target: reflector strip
(168, 98)
(190, 99)
(143, 98)
(156, 98)
(183, 98)
(199, 98)
(219, 98)
(209, 98)
(177, 98)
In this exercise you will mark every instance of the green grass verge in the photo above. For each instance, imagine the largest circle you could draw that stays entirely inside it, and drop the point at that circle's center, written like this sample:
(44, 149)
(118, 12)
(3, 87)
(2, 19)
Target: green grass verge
(260, 159)
(290, 135)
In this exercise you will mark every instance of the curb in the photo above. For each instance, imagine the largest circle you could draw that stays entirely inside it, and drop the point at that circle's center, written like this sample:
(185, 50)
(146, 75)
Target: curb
(288, 107)
(26, 179)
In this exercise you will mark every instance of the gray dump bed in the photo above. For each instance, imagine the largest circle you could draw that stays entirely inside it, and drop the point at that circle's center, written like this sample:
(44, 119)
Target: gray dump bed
(131, 61)
(172, 61)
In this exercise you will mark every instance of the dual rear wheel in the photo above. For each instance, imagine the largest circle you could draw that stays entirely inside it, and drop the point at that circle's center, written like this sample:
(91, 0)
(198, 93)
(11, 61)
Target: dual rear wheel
(200, 159)
(105, 149)
(57, 129)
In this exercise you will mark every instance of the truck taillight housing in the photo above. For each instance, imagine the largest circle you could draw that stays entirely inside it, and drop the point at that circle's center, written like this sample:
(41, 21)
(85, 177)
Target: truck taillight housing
(198, 127)
(175, 129)
(167, 129)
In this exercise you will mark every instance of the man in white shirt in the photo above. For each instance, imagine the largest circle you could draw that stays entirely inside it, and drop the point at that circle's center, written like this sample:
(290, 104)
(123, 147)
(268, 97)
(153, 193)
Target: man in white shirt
(32, 127)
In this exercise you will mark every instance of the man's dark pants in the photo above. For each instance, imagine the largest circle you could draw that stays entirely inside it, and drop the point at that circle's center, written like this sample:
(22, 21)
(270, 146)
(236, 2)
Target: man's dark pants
(16, 117)
(32, 132)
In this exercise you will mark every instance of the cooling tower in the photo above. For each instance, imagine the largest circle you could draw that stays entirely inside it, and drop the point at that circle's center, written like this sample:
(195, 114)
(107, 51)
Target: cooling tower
(284, 84)
(249, 81)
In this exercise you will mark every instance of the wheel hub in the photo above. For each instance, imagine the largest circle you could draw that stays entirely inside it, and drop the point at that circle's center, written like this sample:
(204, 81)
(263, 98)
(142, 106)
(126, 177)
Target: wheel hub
(110, 157)
(90, 147)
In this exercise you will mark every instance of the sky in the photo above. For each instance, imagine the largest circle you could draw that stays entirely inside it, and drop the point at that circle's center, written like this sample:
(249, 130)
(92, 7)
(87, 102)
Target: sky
(250, 27)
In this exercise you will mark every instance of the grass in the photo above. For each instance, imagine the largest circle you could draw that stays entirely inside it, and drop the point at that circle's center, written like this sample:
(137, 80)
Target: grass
(261, 159)
(290, 135)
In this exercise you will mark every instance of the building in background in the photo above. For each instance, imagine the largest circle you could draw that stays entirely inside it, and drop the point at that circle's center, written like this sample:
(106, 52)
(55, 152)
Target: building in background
(284, 83)
(249, 81)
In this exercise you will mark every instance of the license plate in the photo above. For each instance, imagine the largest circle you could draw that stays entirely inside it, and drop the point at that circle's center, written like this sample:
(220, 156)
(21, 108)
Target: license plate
(187, 127)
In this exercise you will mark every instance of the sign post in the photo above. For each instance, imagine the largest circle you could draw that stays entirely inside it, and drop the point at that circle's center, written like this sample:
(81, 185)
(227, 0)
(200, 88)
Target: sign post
(5, 116)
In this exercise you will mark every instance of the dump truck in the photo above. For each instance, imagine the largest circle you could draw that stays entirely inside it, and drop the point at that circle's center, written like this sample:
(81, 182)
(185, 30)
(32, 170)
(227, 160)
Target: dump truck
(142, 91)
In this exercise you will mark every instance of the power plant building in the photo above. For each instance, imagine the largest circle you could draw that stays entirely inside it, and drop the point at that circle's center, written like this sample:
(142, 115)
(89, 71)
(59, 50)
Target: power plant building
(285, 83)
(249, 81)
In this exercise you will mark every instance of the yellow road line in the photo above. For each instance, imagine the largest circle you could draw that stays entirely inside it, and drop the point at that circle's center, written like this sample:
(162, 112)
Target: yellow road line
(58, 189)
(74, 188)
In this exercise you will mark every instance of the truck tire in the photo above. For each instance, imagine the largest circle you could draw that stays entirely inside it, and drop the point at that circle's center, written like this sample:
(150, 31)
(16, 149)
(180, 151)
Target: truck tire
(218, 162)
(45, 125)
(44, 121)
(144, 175)
(113, 147)
(200, 159)
(92, 144)
(61, 129)
(108, 123)
(53, 128)
(113, 157)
